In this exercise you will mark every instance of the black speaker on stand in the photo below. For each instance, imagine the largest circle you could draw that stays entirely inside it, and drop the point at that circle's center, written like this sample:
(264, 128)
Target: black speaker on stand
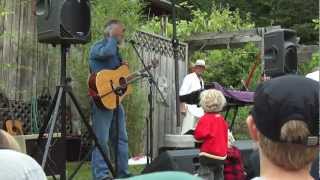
(63, 22)
(280, 52)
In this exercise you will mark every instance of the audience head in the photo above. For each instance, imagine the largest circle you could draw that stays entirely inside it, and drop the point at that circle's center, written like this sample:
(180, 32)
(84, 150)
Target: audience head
(212, 100)
(285, 121)
(7, 141)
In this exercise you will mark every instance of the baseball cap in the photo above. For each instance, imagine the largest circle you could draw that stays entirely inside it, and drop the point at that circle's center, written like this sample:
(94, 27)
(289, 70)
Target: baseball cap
(285, 98)
(200, 62)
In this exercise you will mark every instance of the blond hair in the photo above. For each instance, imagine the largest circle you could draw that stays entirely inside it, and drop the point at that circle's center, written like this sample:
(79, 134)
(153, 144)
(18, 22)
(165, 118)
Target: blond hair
(212, 100)
(8, 142)
(289, 156)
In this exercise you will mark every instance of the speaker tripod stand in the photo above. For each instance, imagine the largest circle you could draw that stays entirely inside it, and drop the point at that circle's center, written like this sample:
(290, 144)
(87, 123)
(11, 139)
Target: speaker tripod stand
(59, 102)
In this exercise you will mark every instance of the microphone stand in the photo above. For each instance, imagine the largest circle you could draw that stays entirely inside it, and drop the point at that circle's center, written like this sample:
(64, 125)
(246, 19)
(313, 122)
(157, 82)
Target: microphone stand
(150, 119)
(175, 46)
(119, 91)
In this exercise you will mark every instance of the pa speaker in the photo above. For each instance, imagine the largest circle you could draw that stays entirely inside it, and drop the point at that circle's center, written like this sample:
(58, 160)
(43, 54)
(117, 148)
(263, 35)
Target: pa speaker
(280, 52)
(55, 162)
(175, 160)
(63, 21)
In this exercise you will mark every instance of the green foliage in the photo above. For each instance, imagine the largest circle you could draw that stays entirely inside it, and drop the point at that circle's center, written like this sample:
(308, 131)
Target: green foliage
(310, 66)
(135, 104)
(295, 14)
(316, 23)
(126, 11)
(218, 20)
(204, 5)
(229, 66)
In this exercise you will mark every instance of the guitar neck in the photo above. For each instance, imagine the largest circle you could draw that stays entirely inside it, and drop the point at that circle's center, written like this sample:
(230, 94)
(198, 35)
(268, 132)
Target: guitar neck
(136, 75)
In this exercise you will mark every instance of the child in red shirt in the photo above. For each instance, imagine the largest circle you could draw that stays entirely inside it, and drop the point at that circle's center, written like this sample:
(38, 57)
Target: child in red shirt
(212, 131)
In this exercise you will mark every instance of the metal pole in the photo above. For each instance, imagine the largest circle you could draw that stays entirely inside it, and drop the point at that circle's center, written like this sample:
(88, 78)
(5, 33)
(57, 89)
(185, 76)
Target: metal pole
(150, 119)
(175, 44)
(63, 66)
(53, 119)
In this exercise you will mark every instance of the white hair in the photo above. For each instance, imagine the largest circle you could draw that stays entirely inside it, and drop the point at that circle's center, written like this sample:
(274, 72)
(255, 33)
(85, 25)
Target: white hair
(212, 100)
(107, 31)
(109, 26)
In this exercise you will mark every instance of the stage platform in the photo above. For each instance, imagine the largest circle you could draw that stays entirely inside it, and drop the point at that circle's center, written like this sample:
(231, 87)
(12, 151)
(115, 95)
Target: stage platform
(174, 141)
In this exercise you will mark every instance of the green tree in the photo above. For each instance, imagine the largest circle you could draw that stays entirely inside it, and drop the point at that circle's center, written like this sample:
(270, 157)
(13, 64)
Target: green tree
(310, 66)
(230, 66)
(218, 20)
(294, 14)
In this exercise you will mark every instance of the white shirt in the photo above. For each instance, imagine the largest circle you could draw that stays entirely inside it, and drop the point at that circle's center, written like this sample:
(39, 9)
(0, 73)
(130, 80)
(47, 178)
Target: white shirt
(257, 178)
(314, 75)
(192, 82)
(18, 166)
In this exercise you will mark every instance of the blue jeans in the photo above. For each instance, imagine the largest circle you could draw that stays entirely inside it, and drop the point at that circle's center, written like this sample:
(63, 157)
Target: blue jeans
(102, 122)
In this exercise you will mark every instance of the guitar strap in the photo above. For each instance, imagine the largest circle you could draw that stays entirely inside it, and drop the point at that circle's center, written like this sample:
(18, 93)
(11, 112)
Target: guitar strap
(119, 56)
(93, 92)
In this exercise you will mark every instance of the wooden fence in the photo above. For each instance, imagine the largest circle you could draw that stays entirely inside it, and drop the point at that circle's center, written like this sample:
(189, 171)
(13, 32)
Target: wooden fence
(152, 47)
(26, 67)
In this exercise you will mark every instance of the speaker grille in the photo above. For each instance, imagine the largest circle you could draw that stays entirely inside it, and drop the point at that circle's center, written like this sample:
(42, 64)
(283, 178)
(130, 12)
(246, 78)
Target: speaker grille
(64, 32)
(280, 52)
(75, 18)
(63, 21)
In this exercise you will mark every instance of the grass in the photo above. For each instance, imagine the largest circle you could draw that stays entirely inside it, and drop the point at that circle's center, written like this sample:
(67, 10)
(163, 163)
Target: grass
(85, 171)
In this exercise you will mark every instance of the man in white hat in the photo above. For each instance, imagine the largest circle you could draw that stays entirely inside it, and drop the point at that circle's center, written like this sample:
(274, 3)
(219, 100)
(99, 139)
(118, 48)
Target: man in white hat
(192, 82)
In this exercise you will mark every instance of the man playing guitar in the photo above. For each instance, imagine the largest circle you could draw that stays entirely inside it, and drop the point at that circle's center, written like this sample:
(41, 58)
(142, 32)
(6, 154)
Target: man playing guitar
(104, 54)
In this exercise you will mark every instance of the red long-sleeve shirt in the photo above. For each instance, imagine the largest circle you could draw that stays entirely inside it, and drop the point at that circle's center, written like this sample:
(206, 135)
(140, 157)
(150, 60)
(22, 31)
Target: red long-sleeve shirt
(212, 130)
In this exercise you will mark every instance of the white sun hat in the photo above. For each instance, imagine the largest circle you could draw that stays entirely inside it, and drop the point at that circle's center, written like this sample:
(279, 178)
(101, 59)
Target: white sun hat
(200, 62)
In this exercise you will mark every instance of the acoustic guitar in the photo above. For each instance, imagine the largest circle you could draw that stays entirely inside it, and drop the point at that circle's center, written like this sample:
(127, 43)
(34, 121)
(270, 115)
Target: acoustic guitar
(13, 126)
(108, 84)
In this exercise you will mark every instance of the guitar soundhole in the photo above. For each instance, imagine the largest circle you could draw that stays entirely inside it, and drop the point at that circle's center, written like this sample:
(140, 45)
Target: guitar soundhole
(14, 129)
(123, 85)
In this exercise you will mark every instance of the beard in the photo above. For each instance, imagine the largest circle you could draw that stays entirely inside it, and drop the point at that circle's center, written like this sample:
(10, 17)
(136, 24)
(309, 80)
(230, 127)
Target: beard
(121, 43)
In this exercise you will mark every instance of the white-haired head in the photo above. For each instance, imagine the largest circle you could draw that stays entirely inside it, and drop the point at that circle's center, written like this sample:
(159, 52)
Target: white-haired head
(212, 100)
(109, 26)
